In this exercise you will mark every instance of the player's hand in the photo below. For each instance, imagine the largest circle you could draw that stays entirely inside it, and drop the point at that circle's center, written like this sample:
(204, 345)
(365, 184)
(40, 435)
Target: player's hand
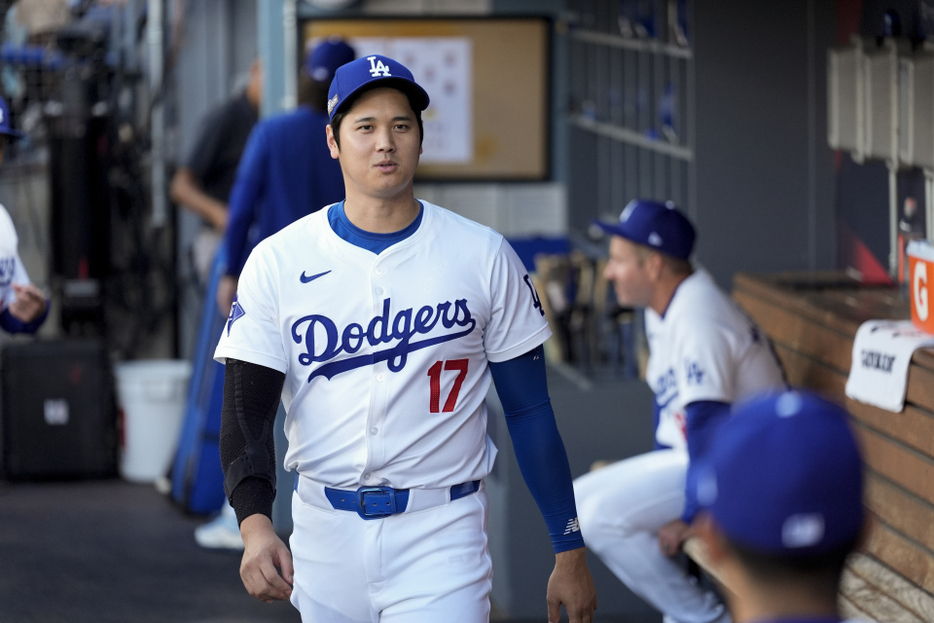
(29, 304)
(672, 536)
(572, 586)
(226, 290)
(266, 567)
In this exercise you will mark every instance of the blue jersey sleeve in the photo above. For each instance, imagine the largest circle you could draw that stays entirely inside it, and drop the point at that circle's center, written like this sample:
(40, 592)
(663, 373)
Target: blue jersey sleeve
(12, 324)
(247, 192)
(523, 390)
(703, 419)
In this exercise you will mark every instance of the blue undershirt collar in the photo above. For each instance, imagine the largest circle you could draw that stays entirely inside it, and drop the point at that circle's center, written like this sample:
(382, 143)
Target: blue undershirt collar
(377, 243)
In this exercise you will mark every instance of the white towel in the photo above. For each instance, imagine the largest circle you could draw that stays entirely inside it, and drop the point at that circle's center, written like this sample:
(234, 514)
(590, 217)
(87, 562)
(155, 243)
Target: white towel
(881, 355)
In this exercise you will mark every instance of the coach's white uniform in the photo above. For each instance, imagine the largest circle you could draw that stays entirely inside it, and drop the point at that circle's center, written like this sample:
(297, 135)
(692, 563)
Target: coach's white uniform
(386, 363)
(11, 267)
(704, 348)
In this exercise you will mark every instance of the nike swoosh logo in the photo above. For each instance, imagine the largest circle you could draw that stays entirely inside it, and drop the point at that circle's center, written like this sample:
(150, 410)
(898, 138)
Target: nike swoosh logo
(305, 278)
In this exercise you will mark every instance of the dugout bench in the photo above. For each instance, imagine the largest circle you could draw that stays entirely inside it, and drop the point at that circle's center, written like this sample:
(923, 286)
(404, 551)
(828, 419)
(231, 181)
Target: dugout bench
(812, 319)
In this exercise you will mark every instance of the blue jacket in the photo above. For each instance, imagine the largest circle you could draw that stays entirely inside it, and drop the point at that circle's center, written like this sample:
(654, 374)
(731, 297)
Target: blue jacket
(286, 172)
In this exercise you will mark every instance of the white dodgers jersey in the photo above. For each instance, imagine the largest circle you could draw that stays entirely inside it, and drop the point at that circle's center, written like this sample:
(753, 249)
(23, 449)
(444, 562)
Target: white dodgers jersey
(385, 356)
(11, 267)
(704, 348)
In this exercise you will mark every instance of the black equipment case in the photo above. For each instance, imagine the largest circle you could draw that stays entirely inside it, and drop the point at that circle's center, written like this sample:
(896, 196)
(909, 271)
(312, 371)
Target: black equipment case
(58, 411)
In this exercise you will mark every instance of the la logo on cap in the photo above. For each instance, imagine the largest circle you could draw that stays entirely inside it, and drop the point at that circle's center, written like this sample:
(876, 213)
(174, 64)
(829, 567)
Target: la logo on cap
(627, 211)
(803, 530)
(377, 67)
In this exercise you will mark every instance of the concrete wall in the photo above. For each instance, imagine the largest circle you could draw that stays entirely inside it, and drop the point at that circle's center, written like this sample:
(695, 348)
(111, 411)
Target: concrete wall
(763, 168)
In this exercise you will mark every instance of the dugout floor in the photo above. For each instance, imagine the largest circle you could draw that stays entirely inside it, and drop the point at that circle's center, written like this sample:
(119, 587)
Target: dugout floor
(108, 551)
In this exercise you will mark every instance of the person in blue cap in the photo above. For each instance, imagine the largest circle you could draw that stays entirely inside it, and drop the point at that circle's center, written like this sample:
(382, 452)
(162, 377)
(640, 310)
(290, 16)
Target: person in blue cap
(381, 322)
(285, 173)
(23, 306)
(781, 498)
(704, 355)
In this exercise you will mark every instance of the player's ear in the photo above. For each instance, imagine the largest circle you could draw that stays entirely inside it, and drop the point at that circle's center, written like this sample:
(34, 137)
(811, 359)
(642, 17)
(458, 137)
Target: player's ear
(654, 264)
(332, 142)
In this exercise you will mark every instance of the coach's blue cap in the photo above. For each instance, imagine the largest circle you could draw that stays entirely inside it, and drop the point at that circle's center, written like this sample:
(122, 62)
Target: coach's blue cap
(369, 72)
(326, 57)
(783, 476)
(654, 224)
(5, 127)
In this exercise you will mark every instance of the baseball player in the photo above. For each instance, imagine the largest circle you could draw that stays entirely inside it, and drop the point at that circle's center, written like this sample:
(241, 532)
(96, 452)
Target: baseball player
(780, 492)
(704, 355)
(383, 319)
(23, 306)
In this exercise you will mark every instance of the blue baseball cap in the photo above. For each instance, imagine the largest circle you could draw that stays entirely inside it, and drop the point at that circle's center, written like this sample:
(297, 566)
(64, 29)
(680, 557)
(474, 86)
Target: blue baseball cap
(783, 476)
(5, 127)
(369, 72)
(654, 224)
(322, 61)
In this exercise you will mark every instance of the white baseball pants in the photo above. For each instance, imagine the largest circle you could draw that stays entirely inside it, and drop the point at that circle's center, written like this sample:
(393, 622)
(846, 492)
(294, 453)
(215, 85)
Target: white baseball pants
(621, 507)
(421, 567)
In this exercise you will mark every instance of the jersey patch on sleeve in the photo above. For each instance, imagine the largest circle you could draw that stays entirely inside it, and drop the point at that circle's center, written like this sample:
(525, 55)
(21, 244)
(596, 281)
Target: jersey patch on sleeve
(7, 270)
(536, 302)
(236, 313)
(694, 373)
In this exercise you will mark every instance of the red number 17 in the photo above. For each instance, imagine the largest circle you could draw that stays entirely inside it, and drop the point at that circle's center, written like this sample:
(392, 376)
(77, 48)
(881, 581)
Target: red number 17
(434, 373)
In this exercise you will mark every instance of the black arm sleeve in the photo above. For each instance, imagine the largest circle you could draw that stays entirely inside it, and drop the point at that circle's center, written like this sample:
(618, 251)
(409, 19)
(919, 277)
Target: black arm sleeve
(247, 445)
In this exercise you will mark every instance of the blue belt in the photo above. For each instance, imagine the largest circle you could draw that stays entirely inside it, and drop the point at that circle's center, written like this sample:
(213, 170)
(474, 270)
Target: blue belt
(379, 502)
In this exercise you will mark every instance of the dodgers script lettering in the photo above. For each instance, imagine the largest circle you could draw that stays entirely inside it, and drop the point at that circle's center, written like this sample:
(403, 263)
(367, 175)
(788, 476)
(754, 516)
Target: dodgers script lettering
(324, 341)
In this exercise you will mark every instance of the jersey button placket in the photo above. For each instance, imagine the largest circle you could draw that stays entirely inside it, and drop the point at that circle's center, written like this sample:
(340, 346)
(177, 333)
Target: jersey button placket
(379, 392)
(379, 286)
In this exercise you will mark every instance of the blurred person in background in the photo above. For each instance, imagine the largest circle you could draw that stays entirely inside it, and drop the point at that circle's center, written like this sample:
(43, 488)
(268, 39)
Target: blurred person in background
(781, 507)
(23, 306)
(286, 173)
(704, 355)
(203, 183)
(203, 186)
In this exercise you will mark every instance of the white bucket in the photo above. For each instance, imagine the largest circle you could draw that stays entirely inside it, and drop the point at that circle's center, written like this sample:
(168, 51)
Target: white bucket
(152, 397)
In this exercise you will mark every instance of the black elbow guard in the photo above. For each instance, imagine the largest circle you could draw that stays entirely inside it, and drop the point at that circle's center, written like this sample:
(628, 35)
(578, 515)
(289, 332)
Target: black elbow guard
(247, 445)
(245, 466)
